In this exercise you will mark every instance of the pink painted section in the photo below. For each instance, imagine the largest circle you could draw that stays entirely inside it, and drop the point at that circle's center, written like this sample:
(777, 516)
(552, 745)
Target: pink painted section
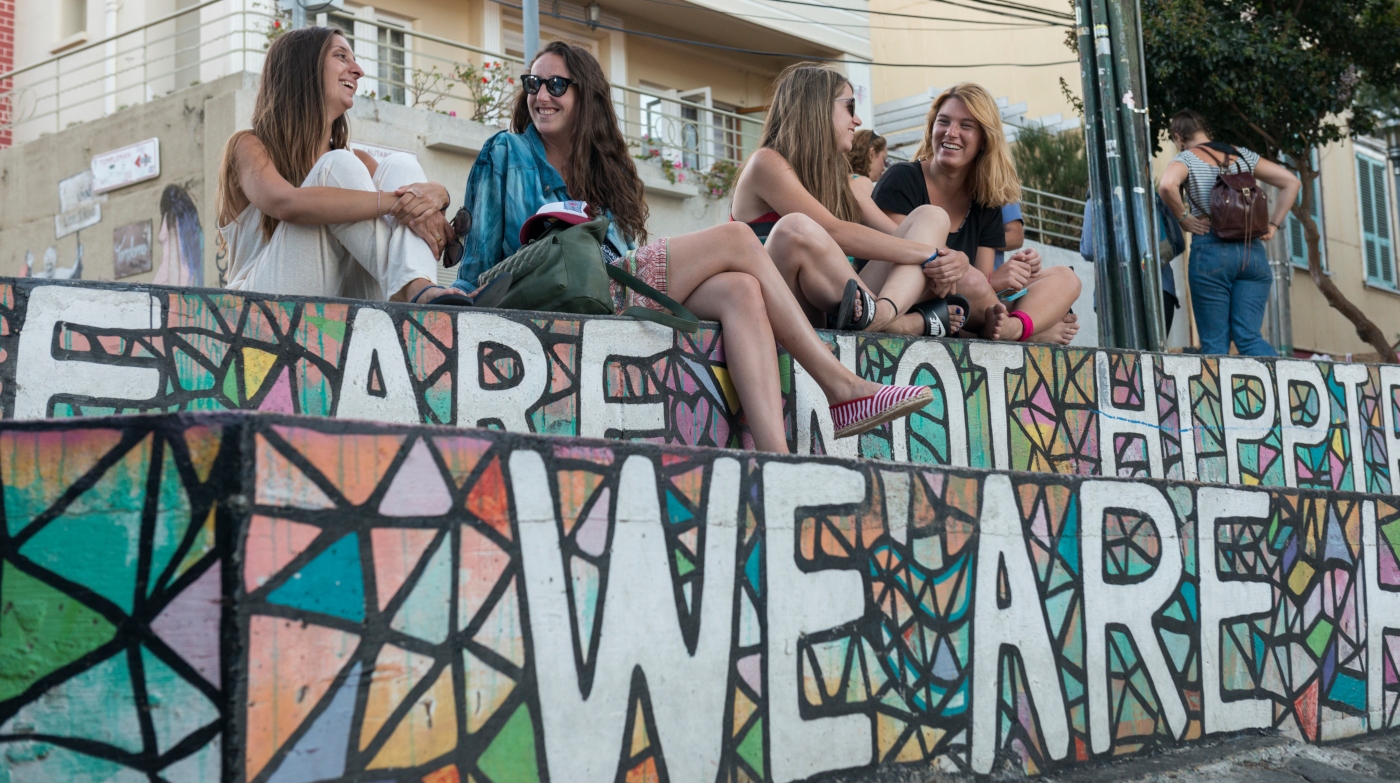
(396, 552)
(592, 536)
(190, 623)
(279, 397)
(750, 668)
(483, 562)
(272, 544)
(418, 489)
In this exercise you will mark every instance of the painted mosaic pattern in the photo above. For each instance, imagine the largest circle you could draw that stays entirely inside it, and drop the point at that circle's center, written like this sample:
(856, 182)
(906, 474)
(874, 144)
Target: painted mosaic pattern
(111, 592)
(1065, 411)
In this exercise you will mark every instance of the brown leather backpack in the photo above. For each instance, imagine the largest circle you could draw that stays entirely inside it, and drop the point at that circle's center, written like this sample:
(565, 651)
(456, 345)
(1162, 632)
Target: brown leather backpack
(1239, 208)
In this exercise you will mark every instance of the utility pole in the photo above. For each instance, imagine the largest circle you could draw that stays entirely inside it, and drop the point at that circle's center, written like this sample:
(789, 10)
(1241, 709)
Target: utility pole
(1118, 144)
(298, 14)
(530, 17)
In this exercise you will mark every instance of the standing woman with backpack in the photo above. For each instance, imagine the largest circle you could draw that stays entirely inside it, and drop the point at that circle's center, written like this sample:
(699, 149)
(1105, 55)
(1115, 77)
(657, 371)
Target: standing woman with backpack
(1228, 269)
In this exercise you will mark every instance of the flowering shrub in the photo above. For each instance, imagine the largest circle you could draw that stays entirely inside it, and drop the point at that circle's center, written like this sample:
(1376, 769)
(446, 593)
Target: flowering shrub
(491, 90)
(715, 183)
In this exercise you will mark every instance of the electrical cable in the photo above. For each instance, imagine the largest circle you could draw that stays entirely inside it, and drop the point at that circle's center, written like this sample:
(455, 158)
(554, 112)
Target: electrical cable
(994, 28)
(792, 55)
(1058, 17)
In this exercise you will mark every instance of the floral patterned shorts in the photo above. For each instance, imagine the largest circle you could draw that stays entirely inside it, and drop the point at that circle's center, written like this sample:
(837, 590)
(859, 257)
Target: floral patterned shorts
(648, 264)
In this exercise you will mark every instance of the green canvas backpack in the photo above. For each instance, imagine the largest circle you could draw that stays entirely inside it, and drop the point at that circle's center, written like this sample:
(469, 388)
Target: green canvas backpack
(562, 271)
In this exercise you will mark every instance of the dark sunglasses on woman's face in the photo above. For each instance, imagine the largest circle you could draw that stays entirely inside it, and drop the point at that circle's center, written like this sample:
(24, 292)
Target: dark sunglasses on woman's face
(461, 226)
(557, 85)
(850, 104)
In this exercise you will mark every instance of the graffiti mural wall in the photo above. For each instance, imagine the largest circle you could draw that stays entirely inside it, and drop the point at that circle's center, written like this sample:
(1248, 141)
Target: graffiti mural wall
(98, 349)
(433, 604)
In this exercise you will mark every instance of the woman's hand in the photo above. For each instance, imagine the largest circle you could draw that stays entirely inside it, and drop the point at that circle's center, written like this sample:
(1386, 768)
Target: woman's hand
(1013, 275)
(436, 230)
(1031, 257)
(946, 270)
(1194, 225)
(1269, 232)
(418, 200)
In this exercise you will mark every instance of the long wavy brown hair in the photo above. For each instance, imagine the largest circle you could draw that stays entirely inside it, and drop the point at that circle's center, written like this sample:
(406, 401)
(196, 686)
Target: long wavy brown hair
(867, 145)
(289, 116)
(993, 180)
(599, 169)
(799, 128)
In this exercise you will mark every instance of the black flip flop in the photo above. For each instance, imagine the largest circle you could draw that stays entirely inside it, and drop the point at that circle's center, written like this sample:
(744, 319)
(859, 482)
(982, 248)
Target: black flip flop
(845, 314)
(937, 322)
(490, 295)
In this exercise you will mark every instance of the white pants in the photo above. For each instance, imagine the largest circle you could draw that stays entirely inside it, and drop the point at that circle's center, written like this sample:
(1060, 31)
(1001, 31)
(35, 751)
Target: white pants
(368, 259)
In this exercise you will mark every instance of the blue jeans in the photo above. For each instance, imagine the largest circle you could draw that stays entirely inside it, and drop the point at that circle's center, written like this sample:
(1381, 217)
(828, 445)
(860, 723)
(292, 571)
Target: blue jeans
(1229, 290)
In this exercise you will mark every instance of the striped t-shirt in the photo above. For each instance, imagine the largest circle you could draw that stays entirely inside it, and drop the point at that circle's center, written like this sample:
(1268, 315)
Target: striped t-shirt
(1201, 176)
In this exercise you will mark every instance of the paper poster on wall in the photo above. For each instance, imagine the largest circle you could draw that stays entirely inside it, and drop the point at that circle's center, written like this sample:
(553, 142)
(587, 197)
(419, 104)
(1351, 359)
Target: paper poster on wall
(126, 166)
(76, 191)
(131, 248)
(378, 151)
(76, 219)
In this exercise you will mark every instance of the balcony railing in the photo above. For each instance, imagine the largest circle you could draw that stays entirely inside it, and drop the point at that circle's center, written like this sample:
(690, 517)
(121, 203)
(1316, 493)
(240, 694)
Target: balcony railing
(1052, 219)
(685, 135)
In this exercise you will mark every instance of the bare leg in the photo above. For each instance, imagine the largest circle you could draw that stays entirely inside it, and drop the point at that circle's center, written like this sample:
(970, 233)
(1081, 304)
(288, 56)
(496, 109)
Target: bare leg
(732, 247)
(1059, 333)
(812, 264)
(736, 301)
(905, 284)
(1047, 300)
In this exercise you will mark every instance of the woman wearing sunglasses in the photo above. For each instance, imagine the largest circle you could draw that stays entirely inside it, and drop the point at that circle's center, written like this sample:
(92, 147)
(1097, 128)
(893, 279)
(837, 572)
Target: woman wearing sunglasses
(800, 179)
(299, 213)
(565, 145)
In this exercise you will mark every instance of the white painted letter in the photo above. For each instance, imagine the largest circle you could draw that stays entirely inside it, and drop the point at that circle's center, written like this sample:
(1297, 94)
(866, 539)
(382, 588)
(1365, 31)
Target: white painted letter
(372, 332)
(809, 400)
(997, 359)
(1131, 605)
(1289, 372)
(1181, 369)
(1224, 601)
(1022, 624)
(476, 404)
(1114, 421)
(1238, 428)
(934, 355)
(1390, 378)
(640, 628)
(801, 603)
(1351, 376)
(39, 376)
(1382, 613)
(601, 341)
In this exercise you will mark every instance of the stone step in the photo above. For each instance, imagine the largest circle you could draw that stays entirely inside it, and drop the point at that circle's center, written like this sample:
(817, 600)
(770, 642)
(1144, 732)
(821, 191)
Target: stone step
(72, 349)
(246, 597)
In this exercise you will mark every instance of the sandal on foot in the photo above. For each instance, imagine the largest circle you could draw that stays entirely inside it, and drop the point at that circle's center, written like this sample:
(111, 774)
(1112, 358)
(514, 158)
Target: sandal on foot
(937, 321)
(866, 413)
(846, 319)
(489, 295)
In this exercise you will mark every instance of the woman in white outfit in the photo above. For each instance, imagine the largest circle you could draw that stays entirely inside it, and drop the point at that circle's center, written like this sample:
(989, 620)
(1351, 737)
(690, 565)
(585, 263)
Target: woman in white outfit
(301, 214)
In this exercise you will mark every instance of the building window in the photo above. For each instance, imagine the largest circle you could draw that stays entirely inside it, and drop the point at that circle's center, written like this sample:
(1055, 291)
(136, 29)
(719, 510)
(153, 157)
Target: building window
(1293, 227)
(381, 48)
(1374, 198)
(72, 18)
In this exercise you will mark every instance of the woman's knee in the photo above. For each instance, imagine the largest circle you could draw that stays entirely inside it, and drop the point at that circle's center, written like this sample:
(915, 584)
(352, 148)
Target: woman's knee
(799, 231)
(397, 170)
(931, 215)
(341, 169)
(739, 292)
(1065, 280)
(974, 286)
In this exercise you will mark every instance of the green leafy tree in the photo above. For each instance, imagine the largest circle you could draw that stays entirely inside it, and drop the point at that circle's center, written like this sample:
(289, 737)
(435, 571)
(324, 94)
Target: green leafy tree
(1053, 163)
(1280, 77)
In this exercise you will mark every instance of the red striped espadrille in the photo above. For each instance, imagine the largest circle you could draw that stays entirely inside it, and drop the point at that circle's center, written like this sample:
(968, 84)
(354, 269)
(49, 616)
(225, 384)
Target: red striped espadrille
(861, 415)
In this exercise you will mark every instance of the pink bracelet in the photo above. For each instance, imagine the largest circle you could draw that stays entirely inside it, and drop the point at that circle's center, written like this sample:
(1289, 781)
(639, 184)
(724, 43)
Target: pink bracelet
(1027, 325)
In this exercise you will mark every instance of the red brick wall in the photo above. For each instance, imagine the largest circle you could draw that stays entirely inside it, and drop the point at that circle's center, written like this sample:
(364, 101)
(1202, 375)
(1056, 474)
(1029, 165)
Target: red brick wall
(7, 62)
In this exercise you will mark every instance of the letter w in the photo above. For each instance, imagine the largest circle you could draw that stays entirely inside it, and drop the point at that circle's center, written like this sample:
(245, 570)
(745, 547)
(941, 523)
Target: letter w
(583, 735)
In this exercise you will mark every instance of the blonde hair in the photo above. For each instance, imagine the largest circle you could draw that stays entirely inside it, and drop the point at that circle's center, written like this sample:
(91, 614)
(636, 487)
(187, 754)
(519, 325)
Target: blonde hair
(993, 181)
(289, 116)
(799, 128)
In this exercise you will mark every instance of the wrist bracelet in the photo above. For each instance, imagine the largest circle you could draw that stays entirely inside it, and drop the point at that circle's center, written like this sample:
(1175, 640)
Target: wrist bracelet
(929, 260)
(377, 211)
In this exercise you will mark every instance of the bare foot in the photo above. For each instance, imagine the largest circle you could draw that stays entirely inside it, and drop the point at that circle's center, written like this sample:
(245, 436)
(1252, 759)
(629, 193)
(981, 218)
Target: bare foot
(956, 318)
(1059, 334)
(995, 325)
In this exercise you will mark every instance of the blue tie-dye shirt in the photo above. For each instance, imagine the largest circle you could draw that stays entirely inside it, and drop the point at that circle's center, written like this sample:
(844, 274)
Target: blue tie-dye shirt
(510, 180)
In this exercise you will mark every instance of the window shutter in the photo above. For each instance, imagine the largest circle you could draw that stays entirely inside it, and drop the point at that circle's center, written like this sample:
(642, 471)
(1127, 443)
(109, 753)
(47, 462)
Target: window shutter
(1297, 237)
(1375, 222)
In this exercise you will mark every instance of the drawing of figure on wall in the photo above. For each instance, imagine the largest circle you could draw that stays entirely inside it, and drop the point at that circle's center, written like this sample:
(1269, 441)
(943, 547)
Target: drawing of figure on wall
(181, 239)
(51, 270)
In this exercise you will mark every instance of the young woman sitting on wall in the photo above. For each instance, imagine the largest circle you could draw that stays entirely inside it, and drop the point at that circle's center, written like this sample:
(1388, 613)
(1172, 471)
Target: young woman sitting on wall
(964, 167)
(868, 158)
(565, 145)
(299, 213)
(798, 186)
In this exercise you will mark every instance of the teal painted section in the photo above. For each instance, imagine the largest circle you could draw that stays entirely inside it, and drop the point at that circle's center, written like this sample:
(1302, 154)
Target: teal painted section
(330, 584)
(96, 705)
(425, 613)
(177, 707)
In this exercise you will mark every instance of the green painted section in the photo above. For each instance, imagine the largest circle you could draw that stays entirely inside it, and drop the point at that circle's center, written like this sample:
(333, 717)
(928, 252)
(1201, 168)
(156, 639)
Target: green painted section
(751, 748)
(177, 707)
(172, 519)
(95, 541)
(97, 705)
(37, 761)
(424, 614)
(41, 629)
(510, 758)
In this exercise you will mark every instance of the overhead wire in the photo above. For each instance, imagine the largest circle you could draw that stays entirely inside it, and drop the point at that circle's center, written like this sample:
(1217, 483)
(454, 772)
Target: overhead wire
(791, 55)
(999, 25)
(1058, 17)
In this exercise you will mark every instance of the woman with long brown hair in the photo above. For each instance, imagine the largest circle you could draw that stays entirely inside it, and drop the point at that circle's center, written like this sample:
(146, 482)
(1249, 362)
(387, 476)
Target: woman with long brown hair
(797, 186)
(299, 213)
(964, 167)
(564, 145)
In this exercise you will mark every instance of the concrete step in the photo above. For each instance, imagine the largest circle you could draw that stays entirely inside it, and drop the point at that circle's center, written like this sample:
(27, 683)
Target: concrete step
(77, 349)
(245, 597)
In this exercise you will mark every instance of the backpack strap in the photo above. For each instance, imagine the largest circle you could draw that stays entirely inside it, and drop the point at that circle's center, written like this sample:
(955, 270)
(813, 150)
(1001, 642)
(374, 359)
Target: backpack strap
(682, 321)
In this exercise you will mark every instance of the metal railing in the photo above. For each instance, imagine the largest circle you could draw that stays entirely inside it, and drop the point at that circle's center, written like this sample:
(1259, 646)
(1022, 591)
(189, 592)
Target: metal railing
(685, 136)
(1052, 219)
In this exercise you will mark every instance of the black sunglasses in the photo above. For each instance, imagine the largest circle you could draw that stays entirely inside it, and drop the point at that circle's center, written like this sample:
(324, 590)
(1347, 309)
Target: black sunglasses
(850, 104)
(461, 226)
(557, 85)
